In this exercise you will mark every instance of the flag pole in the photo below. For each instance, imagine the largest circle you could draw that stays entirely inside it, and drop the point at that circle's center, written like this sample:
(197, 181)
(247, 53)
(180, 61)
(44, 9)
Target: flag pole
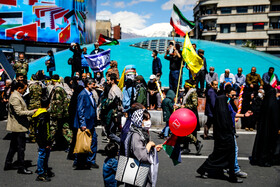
(173, 33)
(179, 80)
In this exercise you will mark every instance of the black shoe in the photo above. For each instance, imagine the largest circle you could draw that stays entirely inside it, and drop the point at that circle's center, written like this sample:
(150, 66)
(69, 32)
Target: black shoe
(198, 147)
(235, 180)
(161, 135)
(43, 178)
(185, 152)
(24, 171)
(202, 173)
(95, 166)
(49, 173)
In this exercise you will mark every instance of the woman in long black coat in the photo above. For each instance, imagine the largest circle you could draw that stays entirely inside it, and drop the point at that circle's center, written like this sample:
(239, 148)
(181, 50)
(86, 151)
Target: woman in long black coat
(77, 58)
(267, 131)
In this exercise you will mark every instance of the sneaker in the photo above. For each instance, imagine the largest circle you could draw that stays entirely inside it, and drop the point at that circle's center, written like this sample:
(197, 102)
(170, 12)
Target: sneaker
(43, 178)
(251, 129)
(241, 174)
(246, 129)
(198, 147)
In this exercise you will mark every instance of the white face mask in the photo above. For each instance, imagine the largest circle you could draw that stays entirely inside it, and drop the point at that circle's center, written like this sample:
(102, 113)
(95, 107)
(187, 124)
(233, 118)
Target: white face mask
(147, 125)
(152, 55)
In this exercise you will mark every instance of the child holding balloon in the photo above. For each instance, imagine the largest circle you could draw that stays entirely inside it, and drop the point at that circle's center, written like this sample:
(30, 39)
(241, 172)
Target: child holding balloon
(168, 106)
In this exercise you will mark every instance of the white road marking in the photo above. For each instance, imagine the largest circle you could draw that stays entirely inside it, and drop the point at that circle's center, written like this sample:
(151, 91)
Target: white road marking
(200, 132)
(204, 157)
(211, 132)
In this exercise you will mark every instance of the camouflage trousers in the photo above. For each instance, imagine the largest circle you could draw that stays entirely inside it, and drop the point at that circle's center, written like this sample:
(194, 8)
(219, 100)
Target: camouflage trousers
(31, 129)
(58, 128)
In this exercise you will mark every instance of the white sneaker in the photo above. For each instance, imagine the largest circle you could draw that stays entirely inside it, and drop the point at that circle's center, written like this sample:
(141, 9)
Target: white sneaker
(241, 174)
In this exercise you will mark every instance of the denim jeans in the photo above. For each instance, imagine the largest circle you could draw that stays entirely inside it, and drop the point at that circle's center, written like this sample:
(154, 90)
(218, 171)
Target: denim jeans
(173, 80)
(236, 166)
(165, 130)
(43, 158)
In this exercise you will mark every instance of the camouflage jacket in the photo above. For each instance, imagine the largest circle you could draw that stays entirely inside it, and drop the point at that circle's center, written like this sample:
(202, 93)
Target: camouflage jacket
(190, 100)
(35, 94)
(21, 67)
(59, 102)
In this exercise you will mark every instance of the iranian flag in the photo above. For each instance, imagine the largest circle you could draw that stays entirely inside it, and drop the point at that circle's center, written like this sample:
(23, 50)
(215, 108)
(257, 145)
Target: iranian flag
(180, 24)
(273, 81)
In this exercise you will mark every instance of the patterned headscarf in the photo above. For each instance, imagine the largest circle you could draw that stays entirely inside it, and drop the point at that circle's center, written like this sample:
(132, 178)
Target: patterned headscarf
(137, 118)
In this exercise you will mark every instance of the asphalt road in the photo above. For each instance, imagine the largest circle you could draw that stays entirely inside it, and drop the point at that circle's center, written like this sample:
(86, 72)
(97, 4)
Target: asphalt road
(183, 174)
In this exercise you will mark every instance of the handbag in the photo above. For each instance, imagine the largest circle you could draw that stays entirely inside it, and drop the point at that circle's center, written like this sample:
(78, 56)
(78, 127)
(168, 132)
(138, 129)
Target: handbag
(70, 61)
(131, 171)
(83, 142)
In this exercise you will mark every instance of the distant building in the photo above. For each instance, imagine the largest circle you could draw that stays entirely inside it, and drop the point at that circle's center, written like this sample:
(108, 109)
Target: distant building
(156, 44)
(236, 22)
(117, 32)
(103, 27)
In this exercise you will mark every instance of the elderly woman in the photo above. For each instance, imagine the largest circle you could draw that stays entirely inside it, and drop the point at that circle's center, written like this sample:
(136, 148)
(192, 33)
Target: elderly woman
(137, 143)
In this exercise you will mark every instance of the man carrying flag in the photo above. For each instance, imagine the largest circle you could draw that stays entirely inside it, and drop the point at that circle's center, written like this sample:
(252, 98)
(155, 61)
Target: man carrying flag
(270, 77)
(96, 49)
(99, 62)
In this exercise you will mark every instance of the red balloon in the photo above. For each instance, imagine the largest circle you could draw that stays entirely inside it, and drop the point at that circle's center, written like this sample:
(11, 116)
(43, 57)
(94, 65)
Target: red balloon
(182, 122)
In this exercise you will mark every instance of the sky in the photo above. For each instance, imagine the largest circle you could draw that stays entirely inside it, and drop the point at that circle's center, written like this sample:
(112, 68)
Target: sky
(139, 14)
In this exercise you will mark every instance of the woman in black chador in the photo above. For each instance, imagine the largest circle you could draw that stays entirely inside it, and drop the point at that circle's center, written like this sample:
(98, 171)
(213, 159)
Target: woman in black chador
(223, 155)
(265, 145)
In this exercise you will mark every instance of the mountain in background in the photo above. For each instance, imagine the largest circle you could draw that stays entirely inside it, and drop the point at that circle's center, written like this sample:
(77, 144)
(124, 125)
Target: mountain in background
(155, 30)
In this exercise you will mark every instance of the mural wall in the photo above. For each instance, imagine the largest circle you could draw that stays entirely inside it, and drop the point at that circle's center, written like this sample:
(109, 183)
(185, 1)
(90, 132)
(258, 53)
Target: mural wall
(55, 21)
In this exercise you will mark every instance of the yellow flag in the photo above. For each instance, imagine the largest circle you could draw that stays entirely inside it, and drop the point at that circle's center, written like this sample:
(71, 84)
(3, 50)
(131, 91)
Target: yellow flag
(121, 81)
(192, 59)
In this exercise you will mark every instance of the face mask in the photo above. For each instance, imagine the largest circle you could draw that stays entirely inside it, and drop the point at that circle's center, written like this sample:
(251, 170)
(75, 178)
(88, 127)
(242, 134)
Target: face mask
(147, 125)
(211, 71)
(77, 76)
(98, 76)
(260, 95)
(152, 55)
(88, 76)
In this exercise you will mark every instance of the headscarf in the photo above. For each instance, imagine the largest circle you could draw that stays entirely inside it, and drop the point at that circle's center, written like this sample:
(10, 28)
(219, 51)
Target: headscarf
(136, 127)
(137, 118)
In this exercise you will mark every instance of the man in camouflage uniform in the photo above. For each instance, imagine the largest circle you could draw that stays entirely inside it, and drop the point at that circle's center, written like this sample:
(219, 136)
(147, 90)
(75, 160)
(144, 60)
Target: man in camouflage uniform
(21, 65)
(35, 93)
(59, 102)
(190, 101)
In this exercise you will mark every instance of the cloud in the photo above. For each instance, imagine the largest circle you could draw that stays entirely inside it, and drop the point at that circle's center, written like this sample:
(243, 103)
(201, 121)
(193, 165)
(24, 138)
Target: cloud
(183, 5)
(119, 4)
(133, 2)
(128, 20)
(107, 3)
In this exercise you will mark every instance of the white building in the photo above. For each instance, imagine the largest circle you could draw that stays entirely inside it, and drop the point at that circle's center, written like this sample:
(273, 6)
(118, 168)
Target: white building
(237, 21)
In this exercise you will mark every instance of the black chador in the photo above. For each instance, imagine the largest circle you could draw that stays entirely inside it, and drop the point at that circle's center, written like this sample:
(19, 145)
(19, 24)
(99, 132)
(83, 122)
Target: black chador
(223, 155)
(265, 146)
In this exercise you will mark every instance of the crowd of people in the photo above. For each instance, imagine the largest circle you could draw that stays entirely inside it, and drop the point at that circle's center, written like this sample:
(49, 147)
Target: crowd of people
(51, 110)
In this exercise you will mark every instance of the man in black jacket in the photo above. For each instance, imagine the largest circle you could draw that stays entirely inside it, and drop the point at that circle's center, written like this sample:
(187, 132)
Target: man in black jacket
(174, 55)
(156, 65)
(96, 49)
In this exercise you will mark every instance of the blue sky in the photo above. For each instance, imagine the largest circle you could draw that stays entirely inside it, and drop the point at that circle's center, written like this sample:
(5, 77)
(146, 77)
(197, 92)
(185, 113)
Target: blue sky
(138, 14)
